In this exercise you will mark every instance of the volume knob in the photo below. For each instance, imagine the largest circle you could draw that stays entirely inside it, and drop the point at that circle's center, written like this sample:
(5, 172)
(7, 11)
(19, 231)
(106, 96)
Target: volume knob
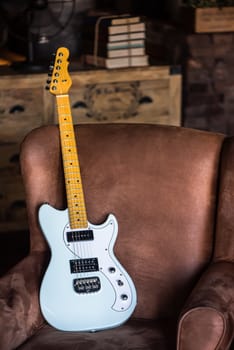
(112, 269)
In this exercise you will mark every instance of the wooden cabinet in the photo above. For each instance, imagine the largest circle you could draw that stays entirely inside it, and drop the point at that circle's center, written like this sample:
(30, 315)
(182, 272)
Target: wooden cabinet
(24, 105)
(132, 95)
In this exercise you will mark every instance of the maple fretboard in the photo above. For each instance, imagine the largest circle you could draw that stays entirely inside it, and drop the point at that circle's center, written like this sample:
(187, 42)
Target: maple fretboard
(73, 181)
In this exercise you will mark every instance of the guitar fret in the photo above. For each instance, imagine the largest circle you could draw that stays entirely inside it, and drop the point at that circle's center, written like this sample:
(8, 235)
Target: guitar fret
(65, 123)
(76, 199)
(78, 212)
(74, 215)
(73, 180)
(66, 127)
(70, 161)
(67, 147)
(78, 195)
(80, 216)
(68, 144)
(73, 173)
(78, 208)
(74, 191)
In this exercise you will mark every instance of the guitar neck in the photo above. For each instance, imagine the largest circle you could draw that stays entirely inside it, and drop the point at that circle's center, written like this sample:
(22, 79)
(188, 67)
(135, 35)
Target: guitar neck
(74, 188)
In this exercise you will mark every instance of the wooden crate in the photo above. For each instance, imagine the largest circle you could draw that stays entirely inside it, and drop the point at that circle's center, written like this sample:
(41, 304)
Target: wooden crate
(130, 95)
(208, 19)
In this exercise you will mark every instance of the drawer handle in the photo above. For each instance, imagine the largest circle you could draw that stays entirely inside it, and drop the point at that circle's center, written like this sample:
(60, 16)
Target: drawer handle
(79, 104)
(145, 99)
(16, 109)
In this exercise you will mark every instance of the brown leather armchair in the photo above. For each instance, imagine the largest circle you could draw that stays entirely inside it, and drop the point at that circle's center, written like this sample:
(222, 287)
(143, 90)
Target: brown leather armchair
(172, 191)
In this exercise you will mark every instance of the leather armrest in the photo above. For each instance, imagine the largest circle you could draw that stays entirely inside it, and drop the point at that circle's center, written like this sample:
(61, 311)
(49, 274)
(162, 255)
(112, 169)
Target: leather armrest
(19, 305)
(207, 320)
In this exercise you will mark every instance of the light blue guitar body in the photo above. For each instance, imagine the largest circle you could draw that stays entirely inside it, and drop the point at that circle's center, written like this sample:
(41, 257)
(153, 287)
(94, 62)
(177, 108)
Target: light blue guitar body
(84, 288)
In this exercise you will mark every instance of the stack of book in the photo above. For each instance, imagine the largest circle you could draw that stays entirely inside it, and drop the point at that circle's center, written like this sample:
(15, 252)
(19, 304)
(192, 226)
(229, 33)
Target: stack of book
(115, 41)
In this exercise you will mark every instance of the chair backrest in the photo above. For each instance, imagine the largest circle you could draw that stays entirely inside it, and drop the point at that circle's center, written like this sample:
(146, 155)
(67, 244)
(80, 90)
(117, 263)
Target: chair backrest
(161, 184)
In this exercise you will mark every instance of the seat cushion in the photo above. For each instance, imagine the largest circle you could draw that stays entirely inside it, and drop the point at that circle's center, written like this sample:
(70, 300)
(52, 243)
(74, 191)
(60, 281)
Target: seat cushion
(135, 334)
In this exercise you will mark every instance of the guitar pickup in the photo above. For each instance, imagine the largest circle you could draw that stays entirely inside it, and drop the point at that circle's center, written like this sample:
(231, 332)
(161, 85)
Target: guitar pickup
(82, 235)
(84, 265)
(87, 285)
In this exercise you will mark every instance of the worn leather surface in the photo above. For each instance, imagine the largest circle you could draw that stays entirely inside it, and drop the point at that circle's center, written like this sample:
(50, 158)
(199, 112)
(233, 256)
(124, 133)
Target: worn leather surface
(136, 334)
(224, 245)
(208, 314)
(19, 309)
(164, 186)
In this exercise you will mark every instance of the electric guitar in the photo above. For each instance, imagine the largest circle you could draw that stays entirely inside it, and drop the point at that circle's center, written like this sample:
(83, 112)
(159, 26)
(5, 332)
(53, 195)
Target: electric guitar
(84, 288)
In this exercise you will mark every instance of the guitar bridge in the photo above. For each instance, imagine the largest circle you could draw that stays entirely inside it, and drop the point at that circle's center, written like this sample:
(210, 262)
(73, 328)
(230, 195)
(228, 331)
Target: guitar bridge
(87, 285)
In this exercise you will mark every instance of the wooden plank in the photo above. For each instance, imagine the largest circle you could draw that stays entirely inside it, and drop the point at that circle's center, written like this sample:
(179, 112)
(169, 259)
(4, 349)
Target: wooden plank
(208, 19)
(213, 20)
(175, 100)
(119, 75)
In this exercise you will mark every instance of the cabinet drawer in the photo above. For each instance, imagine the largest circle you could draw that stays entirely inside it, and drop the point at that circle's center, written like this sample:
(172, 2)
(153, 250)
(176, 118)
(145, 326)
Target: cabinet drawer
(138, 95)
(24, 105)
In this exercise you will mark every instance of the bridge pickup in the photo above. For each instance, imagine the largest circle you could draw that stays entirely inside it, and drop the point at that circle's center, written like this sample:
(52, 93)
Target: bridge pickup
(87, 285)
(84, 265)
(77, 236)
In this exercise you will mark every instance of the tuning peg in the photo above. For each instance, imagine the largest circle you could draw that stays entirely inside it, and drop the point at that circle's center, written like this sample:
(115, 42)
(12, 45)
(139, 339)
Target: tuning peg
(48, 81)
(47, 87)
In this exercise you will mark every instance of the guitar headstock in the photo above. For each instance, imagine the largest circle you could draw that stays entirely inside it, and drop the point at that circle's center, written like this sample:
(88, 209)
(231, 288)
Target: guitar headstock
(60, 81)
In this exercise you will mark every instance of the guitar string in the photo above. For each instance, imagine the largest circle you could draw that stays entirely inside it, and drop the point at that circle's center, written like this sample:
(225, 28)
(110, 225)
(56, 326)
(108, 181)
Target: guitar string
(81, 249)
(62, 120)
